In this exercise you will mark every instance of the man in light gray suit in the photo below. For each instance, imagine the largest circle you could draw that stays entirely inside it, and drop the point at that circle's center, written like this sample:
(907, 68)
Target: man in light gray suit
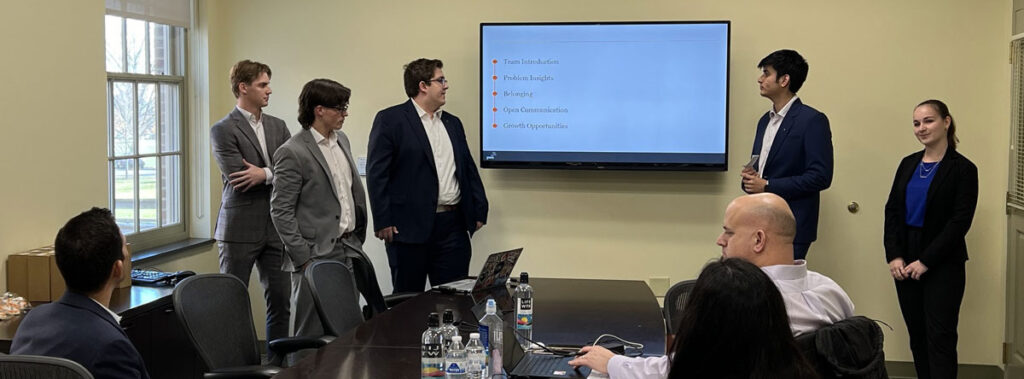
(243, 144)
(318, 204)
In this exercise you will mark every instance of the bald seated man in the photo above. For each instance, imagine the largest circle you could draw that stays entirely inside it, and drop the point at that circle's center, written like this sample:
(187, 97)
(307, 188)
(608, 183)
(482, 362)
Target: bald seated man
(759, 228)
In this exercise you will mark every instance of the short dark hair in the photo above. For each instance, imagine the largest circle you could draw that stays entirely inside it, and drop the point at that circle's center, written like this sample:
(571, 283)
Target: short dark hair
(86, 248)
(420, 70)
(787, 62)
(246, 71)
(943, 111)
(734, 325)
(322, 92)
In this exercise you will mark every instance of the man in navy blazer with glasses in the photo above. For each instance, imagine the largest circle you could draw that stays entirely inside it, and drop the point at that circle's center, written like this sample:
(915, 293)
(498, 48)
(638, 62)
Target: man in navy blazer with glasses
(793, 146)
(425, 192)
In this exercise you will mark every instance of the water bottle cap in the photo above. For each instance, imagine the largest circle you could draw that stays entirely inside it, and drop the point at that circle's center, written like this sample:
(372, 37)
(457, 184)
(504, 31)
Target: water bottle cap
(432, 320)
(449, 316)
(524, 277)
(492, 307)
(474, 335)
(456, 338)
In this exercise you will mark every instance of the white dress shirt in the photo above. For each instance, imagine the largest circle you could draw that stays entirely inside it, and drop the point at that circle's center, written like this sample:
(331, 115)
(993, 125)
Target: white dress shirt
(774, 121)
(341, 176)
(112, 314)
(812, 301)
(444, 156)
(257, 127)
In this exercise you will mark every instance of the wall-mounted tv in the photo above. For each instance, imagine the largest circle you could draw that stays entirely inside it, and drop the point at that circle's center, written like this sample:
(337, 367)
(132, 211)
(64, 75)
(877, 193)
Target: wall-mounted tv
(604, 95)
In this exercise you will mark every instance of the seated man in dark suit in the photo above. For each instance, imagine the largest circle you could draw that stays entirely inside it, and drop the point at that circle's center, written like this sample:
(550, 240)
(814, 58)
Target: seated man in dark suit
(90, 253)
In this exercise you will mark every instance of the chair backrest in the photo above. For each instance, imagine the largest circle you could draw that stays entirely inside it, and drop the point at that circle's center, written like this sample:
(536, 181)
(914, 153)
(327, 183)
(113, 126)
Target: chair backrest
(675, 301)
(366, 281)
(40, 367)
(214, 309)
(333, 287)
(851, 348)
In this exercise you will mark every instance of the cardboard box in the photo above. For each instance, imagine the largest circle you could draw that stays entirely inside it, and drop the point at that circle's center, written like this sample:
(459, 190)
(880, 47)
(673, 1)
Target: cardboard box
(17, 274)
(28, 274)
(35, 276)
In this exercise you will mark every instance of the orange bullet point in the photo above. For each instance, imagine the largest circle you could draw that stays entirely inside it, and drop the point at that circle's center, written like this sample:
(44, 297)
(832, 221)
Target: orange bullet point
(494, 109)
(495, 77)
(495, 93)
(494, 61)
(494, 125)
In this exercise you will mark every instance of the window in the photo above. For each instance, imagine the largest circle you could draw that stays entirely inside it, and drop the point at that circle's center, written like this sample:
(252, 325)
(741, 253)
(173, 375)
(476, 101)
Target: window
(146, 168)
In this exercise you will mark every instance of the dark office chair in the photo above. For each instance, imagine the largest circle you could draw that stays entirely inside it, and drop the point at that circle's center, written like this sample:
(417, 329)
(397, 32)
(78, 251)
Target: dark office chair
(333, 287)
(675, 301)
(215, 312)
(39, 367)
(366, 282)
(850, 348)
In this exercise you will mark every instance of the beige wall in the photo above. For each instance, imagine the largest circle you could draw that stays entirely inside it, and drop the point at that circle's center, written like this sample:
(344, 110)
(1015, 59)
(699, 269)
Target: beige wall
(870, 63)
(53, 155)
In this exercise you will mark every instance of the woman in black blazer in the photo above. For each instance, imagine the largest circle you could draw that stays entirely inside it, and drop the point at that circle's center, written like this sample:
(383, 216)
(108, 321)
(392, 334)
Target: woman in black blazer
(929, 211)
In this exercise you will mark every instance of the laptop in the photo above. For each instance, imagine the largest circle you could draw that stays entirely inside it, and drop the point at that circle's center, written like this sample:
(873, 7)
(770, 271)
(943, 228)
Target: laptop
(537, 363)
(495, 273)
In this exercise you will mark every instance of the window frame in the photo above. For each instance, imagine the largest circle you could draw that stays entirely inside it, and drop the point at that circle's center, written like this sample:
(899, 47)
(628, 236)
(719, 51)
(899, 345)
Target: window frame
(162, 234)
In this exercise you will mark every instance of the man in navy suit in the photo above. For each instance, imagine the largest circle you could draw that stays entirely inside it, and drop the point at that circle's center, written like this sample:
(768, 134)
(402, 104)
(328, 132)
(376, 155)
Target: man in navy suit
(425, 192)
(793, 145)
(91, 254)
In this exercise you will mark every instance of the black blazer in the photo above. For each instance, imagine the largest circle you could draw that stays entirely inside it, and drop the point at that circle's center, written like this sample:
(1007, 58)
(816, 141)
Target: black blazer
(799, 164)
(401, 178)
(77, 328)
(949, 210)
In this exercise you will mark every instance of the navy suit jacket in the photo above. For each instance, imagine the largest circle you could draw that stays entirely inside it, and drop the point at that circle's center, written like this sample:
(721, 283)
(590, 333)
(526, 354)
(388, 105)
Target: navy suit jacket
(77, 328)
(402, 180)
(948, 213)
(799, 164)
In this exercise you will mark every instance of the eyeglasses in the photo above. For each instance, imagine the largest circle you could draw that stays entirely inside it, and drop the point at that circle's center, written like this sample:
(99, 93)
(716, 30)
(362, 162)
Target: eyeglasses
(339, 108)
(441, 80)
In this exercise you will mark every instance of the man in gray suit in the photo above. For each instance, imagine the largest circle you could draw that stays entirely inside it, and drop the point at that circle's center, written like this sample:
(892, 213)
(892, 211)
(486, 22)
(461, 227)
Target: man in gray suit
(243, 144)
(318, 204)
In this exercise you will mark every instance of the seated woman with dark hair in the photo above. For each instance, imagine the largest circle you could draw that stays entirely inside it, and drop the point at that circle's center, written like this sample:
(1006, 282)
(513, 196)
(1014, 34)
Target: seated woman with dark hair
(734, 326)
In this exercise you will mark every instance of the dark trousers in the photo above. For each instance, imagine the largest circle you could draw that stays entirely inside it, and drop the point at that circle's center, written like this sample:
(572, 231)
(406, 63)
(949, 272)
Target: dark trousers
(800, 250)
(444, 257)
(931, 309)
(237, 258)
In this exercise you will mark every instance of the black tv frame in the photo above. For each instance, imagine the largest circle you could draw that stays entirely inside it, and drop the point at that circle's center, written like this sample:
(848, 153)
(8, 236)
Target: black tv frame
(613, 161)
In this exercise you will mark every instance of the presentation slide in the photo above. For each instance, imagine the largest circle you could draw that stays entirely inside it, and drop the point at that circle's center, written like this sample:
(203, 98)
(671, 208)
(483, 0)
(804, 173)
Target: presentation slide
(604, 88)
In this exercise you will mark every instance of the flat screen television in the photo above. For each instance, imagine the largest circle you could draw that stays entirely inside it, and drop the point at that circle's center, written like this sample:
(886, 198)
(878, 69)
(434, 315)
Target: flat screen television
(605, 95)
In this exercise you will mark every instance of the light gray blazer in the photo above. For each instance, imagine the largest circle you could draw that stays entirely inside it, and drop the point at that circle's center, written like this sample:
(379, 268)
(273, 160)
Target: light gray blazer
(244, 215)
(304, 205)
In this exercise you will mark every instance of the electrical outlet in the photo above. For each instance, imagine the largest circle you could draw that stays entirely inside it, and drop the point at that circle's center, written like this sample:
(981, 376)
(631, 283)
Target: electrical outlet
(659, 285)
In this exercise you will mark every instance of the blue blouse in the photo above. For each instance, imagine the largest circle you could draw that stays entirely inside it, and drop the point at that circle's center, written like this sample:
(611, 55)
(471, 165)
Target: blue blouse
(917, 192)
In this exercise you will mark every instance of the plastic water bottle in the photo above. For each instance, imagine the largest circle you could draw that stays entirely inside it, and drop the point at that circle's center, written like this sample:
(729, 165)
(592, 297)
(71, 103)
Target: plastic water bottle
(432, 349)
(448, 329)
(455, 361)
(491, 332)
(524, 311)
(476, 358)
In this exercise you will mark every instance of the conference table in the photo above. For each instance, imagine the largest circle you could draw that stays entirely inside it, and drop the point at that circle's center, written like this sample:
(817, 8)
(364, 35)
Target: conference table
(567, 312)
